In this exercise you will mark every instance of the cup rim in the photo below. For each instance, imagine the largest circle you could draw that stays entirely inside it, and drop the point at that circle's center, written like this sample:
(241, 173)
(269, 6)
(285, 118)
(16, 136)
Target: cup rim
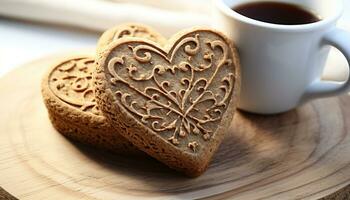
(302, 27)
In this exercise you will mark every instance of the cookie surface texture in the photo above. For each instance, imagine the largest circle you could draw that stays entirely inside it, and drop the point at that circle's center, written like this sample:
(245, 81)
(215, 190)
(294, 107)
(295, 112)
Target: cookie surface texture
(129, 30)
(69, 97)
(174, 103)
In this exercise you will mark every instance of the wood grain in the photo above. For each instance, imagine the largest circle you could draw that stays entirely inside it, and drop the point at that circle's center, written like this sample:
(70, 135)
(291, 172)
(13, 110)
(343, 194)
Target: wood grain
(5, 195)
(302, 154)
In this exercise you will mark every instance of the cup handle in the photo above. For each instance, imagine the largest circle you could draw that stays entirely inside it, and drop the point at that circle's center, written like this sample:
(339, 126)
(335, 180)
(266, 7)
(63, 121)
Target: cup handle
(339, 39)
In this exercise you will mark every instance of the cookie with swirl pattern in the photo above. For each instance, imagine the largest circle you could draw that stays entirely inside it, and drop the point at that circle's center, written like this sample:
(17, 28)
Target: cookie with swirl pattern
(174, 102)
(129, 30)
(69, 97)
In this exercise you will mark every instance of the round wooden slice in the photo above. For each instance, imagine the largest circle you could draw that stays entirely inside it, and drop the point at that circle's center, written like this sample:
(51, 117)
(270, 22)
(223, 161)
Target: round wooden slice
(302, 154)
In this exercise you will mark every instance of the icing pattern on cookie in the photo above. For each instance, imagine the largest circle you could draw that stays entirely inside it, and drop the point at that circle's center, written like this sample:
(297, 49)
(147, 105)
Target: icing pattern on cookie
(182, 94)
(134, 31)
(71, 82)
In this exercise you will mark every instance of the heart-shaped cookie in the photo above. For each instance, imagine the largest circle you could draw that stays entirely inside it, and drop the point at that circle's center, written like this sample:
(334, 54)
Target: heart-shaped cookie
(128, 30)
(174, 103)
(69, 97)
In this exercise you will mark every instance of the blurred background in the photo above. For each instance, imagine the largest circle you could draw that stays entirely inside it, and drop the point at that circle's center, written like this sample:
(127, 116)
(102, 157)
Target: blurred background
(30, 29)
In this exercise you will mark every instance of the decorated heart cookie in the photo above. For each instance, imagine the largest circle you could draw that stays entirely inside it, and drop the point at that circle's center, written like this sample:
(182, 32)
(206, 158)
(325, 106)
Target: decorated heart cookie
(69, 97)
(174, 103)
(129, 30)
(70, 100)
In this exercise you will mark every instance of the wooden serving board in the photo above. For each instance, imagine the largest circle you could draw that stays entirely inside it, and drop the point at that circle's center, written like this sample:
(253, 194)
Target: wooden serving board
(302, 154)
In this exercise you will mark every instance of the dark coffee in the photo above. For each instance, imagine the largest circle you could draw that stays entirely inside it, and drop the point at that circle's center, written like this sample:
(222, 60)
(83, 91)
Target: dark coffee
(276, 13)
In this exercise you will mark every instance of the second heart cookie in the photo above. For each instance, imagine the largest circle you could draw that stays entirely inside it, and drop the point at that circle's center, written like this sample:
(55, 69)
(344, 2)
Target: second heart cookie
(174, 103)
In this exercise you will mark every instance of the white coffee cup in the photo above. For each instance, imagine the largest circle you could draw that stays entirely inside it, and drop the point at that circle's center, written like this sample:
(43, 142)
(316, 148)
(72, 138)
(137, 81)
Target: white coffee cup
(282, 65)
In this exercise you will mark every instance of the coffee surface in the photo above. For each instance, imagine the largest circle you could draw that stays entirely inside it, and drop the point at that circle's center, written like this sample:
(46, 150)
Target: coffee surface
(277, 13)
